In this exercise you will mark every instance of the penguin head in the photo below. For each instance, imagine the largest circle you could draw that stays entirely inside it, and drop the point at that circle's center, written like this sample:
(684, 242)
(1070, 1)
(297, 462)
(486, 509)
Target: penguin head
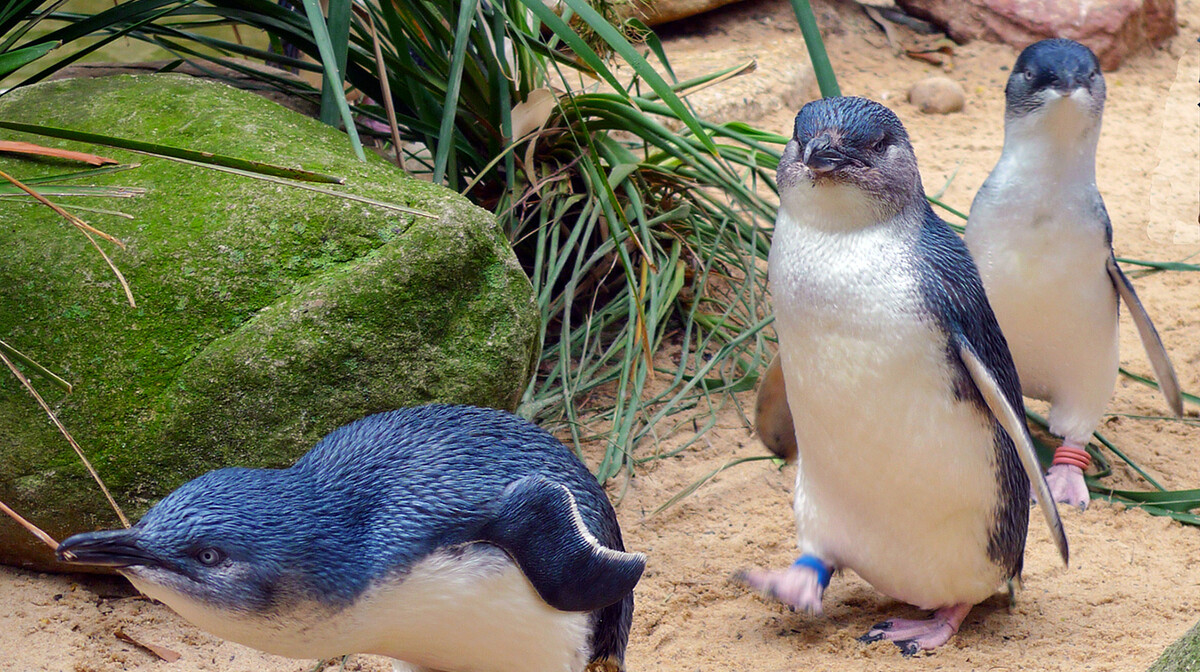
(1056, 77)
(850, 158)
(229, 540)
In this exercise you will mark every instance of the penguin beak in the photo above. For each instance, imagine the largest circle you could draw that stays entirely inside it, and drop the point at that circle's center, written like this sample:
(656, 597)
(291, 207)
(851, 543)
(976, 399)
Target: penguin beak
(1071, 83)
(821, 156)
(108, 548)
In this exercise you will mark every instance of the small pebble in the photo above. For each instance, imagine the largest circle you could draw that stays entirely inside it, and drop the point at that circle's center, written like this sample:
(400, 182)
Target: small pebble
(937, 95)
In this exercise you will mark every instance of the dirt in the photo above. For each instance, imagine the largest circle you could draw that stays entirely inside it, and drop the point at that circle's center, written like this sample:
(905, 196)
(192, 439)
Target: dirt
(1133, 586)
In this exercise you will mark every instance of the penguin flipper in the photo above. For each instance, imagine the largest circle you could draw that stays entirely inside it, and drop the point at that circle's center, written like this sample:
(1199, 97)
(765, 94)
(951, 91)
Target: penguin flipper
(538, 524)
(1015, 427)
(1163, 370)
(773, 416)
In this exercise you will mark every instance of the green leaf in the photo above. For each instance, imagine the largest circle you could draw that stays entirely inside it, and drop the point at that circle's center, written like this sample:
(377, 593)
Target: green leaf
(37, 368)
(14, 60)
(339, 42)
(466, 17)
(166, 151)
(823, 69)
(333, 75)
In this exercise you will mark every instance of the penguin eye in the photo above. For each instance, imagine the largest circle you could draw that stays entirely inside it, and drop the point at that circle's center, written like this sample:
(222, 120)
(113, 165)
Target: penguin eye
(1029, 75)
(880, 145)
(209, 557)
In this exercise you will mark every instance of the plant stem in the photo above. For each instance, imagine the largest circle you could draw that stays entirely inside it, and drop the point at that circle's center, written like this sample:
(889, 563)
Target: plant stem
(816, 49)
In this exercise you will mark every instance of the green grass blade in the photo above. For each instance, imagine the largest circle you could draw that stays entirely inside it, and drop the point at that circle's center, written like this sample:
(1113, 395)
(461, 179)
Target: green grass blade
(466, 17)
(130, 15)
(166, 151)
(37, 368)
(1162, 265)
(338, 23)
(1191, 398)
(51, 189)
(816, 49)
(620, 45)
(14, 60)
(312, 187)
(333, 76)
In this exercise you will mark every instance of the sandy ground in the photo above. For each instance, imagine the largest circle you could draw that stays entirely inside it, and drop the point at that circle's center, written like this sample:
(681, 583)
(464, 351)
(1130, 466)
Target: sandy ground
(1133, 586)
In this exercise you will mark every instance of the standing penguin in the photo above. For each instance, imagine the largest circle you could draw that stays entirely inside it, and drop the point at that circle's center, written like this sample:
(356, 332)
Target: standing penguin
(913, 465)
(451, 538)
(1042, 240)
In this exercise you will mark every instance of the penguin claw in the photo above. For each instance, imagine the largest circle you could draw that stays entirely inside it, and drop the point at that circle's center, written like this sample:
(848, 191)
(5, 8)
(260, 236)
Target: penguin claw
(870, 636)
(914, 636)
(909, 647)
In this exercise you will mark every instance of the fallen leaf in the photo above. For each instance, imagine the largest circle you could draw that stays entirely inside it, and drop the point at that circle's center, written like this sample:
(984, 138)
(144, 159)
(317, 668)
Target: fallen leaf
(532, 113)
(14, 147)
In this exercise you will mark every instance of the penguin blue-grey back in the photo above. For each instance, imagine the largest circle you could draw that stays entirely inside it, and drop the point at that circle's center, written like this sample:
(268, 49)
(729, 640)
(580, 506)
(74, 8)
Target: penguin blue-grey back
(1040, 233)
(449, 537)
(913, 465)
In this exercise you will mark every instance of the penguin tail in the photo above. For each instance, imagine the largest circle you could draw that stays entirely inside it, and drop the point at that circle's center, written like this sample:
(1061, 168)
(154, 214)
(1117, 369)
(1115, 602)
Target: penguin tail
(538, 524)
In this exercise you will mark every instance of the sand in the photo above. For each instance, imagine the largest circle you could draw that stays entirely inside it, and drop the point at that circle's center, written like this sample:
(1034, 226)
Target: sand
(1133, 586)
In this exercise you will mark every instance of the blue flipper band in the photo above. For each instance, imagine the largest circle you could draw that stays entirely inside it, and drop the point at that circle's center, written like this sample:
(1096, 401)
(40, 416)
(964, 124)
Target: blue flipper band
(824, 571)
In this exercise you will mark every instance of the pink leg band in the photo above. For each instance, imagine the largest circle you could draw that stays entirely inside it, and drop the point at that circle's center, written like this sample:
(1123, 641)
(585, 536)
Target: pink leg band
(1070, 455)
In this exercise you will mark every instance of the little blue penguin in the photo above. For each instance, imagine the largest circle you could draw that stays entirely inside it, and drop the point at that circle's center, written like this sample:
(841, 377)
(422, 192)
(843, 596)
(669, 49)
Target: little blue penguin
(1042, 240)
(913, 462)
(450, 538)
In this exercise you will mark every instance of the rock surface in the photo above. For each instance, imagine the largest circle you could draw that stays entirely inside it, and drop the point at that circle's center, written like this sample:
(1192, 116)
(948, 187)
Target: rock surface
(655, 12)
(1113, 29)
(267, 316)
(937, 95)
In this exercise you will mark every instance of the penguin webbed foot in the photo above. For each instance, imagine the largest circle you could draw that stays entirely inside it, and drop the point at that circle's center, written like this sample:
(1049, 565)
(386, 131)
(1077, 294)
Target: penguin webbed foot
(1067, 486)
(799, 587)
(914, 636)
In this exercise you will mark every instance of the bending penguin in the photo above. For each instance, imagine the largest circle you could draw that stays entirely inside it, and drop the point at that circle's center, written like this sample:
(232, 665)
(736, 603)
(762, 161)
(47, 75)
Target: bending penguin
(1042, 240)
(913, 461)
(447, 537)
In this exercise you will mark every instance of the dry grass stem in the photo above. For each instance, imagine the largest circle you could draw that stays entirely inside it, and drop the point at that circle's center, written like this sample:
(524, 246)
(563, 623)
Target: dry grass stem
(70, 439)
(17, 147)
(33, 529)
(84, 227)
(388, 105)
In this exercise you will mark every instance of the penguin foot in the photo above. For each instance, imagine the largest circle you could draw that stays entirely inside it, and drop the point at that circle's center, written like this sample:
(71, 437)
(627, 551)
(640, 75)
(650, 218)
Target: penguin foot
(1066, 485)
(799, 586)
(914, 636)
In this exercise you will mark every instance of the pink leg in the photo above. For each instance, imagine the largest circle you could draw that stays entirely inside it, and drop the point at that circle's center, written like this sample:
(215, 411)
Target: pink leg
(1065, 478)
(799, 586)
(921, 635)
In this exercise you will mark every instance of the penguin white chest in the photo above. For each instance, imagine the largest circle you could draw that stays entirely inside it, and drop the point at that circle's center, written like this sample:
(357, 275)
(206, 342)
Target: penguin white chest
(467, 609)
(896, 477)
(1042, 248)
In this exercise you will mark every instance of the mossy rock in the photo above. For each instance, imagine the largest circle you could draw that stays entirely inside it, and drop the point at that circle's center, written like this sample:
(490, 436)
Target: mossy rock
(1182, 656)
(266, 315)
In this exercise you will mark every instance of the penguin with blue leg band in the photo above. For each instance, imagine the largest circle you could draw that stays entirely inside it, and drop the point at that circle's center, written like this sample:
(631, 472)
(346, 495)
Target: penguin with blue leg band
(913, 462)
(449, 538)
(1042, 239)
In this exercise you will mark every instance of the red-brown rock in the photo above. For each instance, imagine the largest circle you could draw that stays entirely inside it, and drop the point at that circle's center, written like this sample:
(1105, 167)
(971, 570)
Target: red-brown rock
(654, 12)
(1111, 28)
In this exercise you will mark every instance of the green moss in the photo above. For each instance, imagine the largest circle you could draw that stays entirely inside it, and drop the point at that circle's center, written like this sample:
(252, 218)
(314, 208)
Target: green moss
(266, 315)
(1182, 656)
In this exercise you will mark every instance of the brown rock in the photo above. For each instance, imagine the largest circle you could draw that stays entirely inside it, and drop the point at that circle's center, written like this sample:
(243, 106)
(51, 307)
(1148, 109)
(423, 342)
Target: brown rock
(654, 12)
(937, 95)
(1111, 28)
